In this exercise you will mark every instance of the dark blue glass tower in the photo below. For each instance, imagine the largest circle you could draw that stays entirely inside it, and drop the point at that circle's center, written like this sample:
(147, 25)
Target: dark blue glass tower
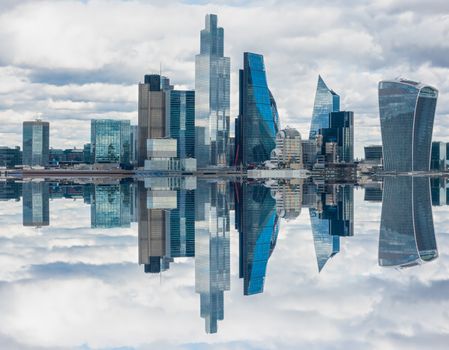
(182, 122)
(407, 111)
(258, 120)
(326, 101)
(407, 235)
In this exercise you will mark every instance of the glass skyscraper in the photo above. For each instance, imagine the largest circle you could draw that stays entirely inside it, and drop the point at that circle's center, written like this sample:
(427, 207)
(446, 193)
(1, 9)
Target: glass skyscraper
(182, 122)
(407, 111)
(407, 235)
(36, 143)
(326, 101)
(258, 120)
(212, 106)
(341, 132)
(110, 141)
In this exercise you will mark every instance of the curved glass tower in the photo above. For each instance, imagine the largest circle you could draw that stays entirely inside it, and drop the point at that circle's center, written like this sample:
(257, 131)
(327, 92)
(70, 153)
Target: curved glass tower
(407, 235)
(258, 120)
(407, 111)
(326, 101)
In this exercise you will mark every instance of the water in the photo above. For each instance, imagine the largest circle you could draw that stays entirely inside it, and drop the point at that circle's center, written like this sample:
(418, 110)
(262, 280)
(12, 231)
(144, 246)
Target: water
(190, 263)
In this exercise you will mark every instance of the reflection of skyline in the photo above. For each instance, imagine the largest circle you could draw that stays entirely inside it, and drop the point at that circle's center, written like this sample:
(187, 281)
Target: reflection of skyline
(407, 236)
(36, 206)
(190, 218)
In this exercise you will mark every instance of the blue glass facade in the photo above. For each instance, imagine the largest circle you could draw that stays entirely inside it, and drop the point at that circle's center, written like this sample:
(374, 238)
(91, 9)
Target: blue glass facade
(258, 225)
(36, 143)
(182, 225)
(341, 132)
(212, 106)
(111, 206)
(407, 235)
(182, 122)
(110, 141)
(407, 111)
(258, 120)
(326, 101)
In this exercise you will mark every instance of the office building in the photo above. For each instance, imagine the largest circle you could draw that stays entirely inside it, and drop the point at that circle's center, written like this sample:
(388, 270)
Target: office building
(36, 141)
(36, 205)
(152, 121)
(407, 111)
(438, 156)
(407, 236)
(326, 101)
(338, 138)
(258, 122)
(87, 153)
(212, 105)
(134, 142)
(288, 151)
(182, 122)
(110, 141)
(373, 154)
(10, 157)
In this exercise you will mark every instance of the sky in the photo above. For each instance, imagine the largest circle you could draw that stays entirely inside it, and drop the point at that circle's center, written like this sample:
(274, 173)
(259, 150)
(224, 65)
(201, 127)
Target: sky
(67, 286)
(72, 61)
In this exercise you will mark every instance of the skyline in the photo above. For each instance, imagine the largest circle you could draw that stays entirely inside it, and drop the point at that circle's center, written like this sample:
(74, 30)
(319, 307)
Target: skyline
(72, 84)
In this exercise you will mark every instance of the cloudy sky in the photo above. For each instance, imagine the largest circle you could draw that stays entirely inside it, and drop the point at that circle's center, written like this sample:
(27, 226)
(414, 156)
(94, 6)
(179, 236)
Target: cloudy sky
(72, 61)
(66, 286)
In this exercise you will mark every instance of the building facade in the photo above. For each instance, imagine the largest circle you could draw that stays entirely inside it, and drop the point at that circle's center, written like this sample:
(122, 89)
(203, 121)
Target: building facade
(36, 204)
(341, 134)
(212, 106)
(438, 156)
(182, 122)
(373, 154)
(110, 141)
(258, 122)
(326, 101)
(288, 151)
(36, 143)
(407, 111)
(10, 157)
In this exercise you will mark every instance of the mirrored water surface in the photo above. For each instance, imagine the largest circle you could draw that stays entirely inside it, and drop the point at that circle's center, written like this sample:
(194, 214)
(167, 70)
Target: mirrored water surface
(200, 263)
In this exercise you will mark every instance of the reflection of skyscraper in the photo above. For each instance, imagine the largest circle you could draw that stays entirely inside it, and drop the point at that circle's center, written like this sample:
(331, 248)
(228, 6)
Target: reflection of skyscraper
(407, 111)
(332, 218)
(258, 226)
(212, 250)
(36, 208)
(212, 106)
(10, 190)
(258, 121)
(326, 101)
(407, 236)
(154, 226)
(182, 225)
(111, 206)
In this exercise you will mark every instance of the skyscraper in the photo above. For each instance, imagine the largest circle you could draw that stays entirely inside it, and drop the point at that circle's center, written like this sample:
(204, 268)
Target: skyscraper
(258, 120)
(182, 122)
(36, 141)
(407, 236)
(212, 106)
(407, 111)
(110, 141)
(152, 121)
(340, 132)
(326, 101)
